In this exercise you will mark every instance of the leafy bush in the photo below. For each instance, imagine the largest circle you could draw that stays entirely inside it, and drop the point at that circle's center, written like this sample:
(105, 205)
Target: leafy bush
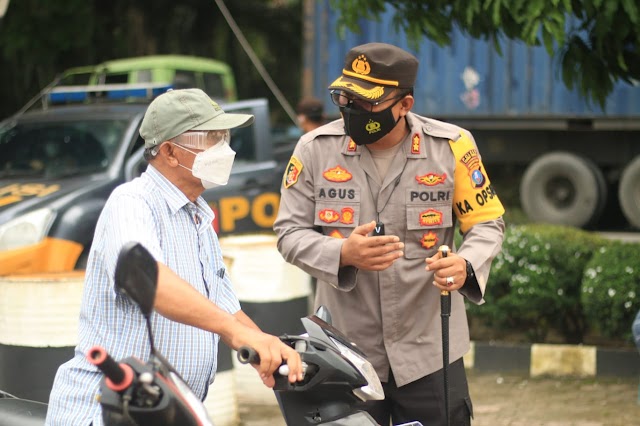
(611, 288)
(535, 282)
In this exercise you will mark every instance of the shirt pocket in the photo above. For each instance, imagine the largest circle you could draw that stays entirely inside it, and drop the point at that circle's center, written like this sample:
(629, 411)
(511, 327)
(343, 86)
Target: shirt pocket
(426, 224)
(337, 209)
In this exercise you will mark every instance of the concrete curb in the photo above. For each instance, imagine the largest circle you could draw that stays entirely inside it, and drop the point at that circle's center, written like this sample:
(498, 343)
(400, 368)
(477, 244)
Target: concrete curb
(553, 360)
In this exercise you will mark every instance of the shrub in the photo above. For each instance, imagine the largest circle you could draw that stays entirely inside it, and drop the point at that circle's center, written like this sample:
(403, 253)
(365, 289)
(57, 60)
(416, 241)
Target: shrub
(535, 282)
(611, 289)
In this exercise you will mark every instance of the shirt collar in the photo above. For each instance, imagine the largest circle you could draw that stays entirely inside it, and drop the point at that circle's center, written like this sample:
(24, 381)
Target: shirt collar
(175, 198)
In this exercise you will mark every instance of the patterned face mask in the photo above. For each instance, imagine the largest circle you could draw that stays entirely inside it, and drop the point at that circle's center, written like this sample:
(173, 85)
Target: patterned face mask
(366, 127)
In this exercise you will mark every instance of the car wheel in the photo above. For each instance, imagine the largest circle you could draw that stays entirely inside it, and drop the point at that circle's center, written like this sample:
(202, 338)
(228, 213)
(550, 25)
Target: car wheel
(563, 188)
(629, 192)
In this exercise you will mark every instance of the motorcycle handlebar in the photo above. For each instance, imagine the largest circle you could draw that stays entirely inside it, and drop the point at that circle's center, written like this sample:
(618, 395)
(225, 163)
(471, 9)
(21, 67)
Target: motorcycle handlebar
(119, 376)
(247, 355)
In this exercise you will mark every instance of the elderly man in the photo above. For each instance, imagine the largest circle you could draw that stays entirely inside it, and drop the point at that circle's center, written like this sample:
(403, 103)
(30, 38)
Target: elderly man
(187, 144)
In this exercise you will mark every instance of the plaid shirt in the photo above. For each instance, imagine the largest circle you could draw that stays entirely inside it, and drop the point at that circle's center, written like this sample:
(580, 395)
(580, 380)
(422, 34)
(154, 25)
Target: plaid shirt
(178, 233)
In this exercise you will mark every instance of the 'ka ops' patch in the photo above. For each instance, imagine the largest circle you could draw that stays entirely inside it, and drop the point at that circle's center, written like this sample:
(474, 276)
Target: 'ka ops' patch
(292, 172)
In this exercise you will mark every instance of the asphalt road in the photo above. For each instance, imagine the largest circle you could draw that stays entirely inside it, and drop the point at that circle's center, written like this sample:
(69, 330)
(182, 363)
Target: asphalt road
(516, 400)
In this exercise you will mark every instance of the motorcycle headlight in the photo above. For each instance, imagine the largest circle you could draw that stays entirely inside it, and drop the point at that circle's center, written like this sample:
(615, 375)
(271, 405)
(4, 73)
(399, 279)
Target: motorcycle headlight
(373, 389)
(26, 230)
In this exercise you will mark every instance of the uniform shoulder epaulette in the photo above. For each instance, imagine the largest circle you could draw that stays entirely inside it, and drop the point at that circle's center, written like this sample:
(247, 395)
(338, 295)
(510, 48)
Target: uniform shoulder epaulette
(440, 129)
(334, 128)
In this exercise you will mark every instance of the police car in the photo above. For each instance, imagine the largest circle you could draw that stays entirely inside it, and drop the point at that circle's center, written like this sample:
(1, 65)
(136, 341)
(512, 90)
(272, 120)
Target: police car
(60, 162)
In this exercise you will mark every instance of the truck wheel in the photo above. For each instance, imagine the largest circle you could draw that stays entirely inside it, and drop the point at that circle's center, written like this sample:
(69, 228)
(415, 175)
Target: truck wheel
(563, 188)
(629, 192)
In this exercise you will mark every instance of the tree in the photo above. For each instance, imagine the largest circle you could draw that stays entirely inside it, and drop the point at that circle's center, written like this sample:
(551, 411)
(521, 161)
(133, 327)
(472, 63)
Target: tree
(597, 42)
(39, 40)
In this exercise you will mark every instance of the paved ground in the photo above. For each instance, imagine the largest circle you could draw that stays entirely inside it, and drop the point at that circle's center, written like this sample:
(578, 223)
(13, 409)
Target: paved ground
(513, 400)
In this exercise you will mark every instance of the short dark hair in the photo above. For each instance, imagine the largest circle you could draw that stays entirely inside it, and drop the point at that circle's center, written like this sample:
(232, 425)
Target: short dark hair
(312, 108)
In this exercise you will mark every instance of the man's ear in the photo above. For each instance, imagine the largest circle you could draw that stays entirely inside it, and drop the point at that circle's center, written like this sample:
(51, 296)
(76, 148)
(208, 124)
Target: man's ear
(407, 103)
(167, 152)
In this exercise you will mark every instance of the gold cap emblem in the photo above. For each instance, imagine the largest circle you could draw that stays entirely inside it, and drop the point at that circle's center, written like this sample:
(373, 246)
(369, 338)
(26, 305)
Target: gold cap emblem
(360, 65)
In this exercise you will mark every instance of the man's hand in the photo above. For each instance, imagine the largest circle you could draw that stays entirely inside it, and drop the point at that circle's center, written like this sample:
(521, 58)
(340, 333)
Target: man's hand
(452, 266)
(272, 354)
(370, 253)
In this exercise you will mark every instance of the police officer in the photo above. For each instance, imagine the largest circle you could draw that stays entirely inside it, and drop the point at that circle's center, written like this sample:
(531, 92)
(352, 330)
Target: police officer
(366, 202)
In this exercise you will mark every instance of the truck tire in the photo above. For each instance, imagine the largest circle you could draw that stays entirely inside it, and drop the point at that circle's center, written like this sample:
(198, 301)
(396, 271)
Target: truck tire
(564, 189)
(629, 192)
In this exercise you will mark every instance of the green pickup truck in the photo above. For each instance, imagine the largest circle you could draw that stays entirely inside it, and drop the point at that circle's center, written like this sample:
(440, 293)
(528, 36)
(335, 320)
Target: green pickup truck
(60, 163)
(213, 76)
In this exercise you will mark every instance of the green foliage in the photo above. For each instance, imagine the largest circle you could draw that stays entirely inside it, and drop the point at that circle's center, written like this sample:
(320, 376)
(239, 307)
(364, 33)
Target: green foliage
(611, 288)
(40, 39)
(534, 285)
(597, 42)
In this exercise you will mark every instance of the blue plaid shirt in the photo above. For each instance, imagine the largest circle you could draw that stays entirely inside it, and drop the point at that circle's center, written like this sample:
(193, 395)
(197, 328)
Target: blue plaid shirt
(178, 233)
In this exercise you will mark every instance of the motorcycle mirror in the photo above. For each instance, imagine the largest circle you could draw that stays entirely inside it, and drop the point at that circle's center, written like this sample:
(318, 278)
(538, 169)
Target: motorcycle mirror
(137, 275)
(324, 314)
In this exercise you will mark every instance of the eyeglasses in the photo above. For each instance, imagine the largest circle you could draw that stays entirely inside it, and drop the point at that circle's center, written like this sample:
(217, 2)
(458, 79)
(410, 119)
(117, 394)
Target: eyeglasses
(344, 100)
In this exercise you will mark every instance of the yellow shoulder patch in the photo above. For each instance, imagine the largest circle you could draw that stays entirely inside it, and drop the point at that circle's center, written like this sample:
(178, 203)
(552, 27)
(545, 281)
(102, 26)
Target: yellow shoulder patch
(474, 199)
(292, 172)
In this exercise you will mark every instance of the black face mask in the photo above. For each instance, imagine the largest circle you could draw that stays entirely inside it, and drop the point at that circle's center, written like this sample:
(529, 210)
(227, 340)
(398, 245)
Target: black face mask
(368, 127)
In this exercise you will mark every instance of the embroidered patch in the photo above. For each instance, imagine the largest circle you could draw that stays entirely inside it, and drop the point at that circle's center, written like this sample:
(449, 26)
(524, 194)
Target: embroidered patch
(336, 234)
(430, 217)
(337, 174)
(346, 216)
(292, 172)
(431, 179)
(472, 162)
(415, 144)
(352, 146)
(430, 239)
(328, 215)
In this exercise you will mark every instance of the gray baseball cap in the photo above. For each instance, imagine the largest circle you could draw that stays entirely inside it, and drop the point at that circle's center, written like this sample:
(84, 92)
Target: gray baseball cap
(178, 111)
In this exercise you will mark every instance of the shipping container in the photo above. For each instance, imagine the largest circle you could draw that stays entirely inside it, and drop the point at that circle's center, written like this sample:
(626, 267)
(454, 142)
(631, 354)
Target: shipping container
(576, 156)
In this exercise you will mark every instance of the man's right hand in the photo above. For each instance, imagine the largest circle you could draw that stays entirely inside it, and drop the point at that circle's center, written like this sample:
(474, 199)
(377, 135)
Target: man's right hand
(272, 352)
(370, 253)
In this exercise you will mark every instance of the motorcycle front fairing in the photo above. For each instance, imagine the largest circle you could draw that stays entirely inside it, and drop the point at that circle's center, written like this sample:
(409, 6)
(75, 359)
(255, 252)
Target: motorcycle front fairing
(337, 378)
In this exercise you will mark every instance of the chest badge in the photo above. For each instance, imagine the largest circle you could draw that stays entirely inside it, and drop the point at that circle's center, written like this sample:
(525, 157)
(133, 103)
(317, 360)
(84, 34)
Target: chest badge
(430, 239)
(328, 215)
(336, 234)
(431, 217)
(347, 216)
(337, 174)
(431, 179)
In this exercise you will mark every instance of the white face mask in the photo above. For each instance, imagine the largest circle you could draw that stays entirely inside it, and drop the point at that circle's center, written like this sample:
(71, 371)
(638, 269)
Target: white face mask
(212, 166)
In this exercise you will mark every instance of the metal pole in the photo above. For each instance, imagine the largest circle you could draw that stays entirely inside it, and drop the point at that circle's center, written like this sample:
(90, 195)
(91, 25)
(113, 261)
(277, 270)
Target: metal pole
(445, 312)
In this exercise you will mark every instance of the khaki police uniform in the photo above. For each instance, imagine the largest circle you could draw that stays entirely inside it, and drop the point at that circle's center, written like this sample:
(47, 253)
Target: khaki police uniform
(436, 179)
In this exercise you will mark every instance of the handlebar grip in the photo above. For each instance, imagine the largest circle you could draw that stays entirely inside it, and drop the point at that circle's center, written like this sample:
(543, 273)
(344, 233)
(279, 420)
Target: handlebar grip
(119, 376)
(247, 355)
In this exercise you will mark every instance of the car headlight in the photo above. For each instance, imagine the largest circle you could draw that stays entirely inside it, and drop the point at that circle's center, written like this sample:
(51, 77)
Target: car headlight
(26, 230)
(373, 389)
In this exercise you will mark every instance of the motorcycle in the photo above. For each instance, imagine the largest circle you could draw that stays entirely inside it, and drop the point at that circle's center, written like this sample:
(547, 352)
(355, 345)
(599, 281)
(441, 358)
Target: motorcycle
(337, 377)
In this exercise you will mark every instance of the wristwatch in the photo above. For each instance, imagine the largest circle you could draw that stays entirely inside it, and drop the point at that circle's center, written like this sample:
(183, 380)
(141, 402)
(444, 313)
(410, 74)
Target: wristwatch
(471, 275)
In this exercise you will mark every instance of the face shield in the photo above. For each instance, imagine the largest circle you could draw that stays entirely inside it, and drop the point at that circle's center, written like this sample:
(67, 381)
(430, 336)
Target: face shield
(203, 140)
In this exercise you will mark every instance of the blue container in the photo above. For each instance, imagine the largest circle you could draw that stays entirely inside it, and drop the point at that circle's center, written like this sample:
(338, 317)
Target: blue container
(466, 79)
